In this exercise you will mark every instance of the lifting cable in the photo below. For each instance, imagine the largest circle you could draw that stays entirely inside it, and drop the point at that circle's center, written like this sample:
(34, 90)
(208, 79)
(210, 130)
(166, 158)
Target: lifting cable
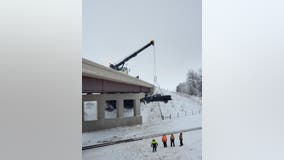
(155, 82)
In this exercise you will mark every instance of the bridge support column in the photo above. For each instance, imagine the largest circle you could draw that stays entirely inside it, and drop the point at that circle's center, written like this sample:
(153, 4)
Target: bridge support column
(137, 107)
(101, 109)
(120, 108)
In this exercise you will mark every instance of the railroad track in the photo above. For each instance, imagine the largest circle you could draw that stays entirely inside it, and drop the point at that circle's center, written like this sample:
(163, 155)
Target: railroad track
(137, 139)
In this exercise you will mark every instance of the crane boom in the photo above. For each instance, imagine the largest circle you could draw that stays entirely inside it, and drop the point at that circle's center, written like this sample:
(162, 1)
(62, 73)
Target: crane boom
(150, 98)
(120, 65)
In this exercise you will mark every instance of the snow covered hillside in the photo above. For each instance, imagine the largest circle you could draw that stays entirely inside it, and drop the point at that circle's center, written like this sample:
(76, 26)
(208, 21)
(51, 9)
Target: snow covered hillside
(182, 105)
(183, 112)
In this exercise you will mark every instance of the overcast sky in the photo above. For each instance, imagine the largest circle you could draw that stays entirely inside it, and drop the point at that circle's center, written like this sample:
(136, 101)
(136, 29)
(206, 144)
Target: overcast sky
(113, 29)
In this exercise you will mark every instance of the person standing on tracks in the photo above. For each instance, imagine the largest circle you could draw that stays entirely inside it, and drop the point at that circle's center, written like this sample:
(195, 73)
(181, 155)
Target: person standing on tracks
(154, 145)
(172, 138)
(180, 139)
(164, 140)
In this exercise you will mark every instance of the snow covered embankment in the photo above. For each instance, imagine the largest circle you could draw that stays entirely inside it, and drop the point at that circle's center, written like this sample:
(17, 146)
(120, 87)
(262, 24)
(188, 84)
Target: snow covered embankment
(183, 112)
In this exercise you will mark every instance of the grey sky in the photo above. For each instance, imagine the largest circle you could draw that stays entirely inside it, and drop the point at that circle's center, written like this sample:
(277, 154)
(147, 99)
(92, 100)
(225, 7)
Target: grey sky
(113, 29)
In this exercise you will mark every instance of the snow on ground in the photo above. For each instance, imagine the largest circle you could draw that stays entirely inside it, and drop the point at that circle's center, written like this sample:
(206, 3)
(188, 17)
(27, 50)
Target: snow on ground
(112, 114)
(128, 112)
(90, 111)
(142, 150)
(183, 112)
(147, 129)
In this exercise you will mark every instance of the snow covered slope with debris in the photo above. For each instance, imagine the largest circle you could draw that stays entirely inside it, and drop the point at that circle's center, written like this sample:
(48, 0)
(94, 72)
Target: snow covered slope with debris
(183, 112)
(181, 105)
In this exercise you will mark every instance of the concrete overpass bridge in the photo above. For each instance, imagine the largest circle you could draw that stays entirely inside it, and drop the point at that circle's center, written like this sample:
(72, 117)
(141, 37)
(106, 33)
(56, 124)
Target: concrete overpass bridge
(101, 85)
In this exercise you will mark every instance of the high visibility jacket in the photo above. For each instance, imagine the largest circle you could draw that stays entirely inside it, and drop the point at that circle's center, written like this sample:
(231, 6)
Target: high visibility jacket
(154, 143)
(164, 139)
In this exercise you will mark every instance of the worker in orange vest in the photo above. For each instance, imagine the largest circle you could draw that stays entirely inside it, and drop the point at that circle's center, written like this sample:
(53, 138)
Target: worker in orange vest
(164, 140)
(172, 138)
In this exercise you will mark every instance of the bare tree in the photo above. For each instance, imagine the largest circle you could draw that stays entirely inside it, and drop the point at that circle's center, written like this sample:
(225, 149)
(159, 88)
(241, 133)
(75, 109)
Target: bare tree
(193, 83)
